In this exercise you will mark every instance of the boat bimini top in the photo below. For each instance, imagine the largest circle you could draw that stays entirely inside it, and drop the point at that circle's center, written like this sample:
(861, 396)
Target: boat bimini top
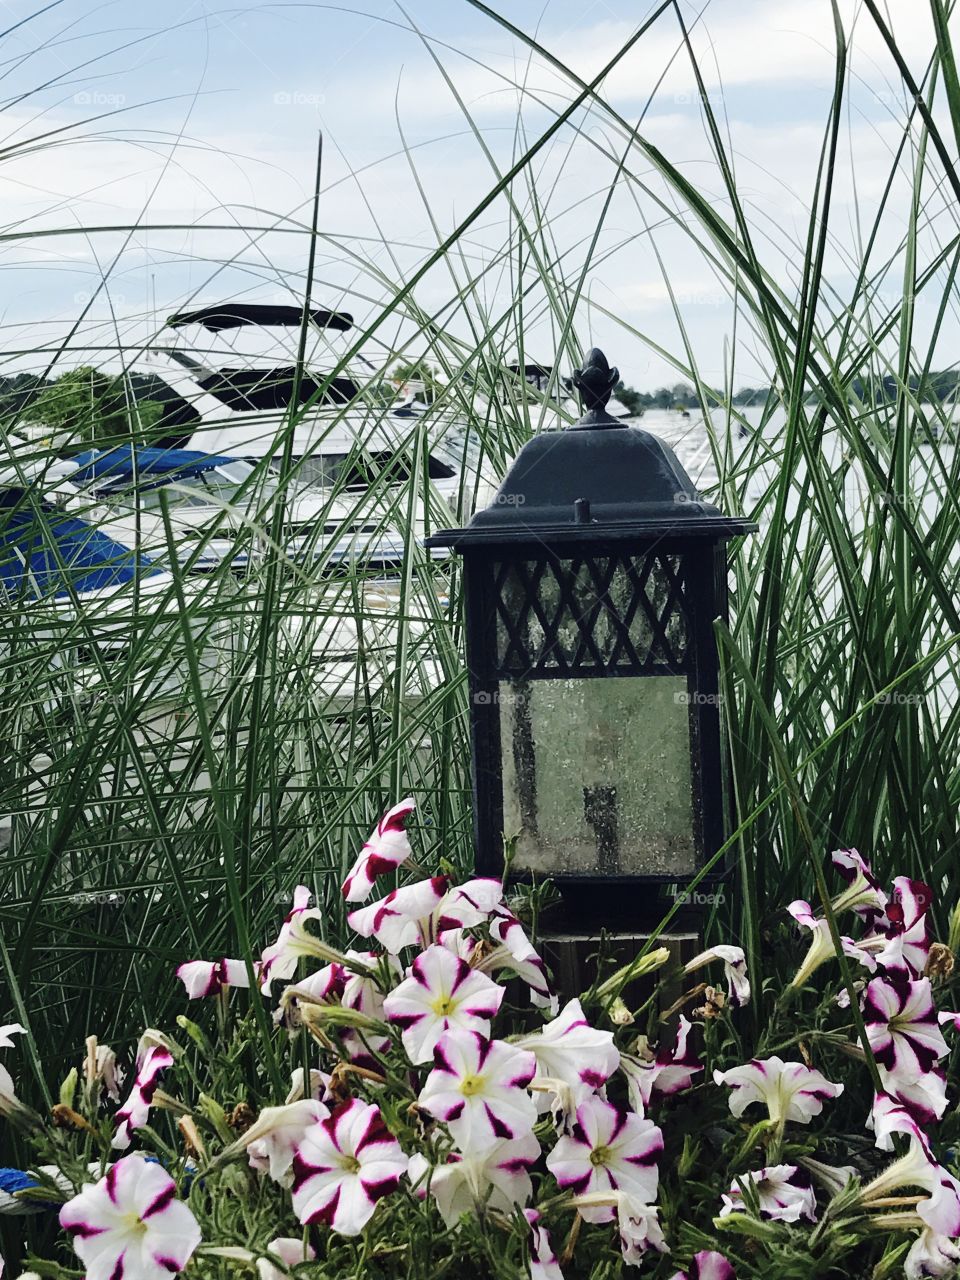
(237, 315)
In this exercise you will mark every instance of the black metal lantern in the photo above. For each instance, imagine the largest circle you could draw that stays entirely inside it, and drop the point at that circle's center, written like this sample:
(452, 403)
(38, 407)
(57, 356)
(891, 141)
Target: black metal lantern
(592, 582)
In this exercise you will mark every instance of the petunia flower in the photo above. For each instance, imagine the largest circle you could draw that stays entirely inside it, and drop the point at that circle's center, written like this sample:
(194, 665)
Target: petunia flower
(386, 849)
(608, 1150)
(931, 1254)
(478, 1088)
(418, 913)
(11, 1029)
(291, 1252)
(707, 1265)
(363, 1046)
(901, 1022)
(517, 952)
(899, 941)
(863, 894)
(498, 1177)
(734, 968)
(789, 1090)
(207, 977)
(640, 1230)
(785, 1194)
(343, 1166)
(130, 1224)
(136, 1110)
(441, 992)
(272, 1140)
(918, 1168)
(821, 947)
(294, 941)
(570, 1050)
(669, 1071)
(544, 1264)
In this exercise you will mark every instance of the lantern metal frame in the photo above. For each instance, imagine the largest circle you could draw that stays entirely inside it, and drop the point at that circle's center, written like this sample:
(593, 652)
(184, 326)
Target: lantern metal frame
(643, 518)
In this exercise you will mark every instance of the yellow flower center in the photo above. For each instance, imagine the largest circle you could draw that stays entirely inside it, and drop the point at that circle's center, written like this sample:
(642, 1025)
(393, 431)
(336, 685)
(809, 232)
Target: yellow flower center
(443, 1006)
(350, 1164)
(133, 1222)
(471, 1085)
(599, 1156)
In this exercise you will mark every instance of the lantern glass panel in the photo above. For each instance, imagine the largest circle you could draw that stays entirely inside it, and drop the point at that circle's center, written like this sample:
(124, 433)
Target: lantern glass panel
(597, 776)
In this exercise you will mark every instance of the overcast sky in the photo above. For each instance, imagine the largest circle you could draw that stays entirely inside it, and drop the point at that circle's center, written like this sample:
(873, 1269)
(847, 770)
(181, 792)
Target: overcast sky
(181, 120)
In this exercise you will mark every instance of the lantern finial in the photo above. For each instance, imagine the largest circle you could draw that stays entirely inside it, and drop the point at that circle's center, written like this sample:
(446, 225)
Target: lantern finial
(595, 381)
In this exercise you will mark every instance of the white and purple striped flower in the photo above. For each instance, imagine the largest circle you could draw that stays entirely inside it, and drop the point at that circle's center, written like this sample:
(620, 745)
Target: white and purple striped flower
(640, 1230)
(707, 1265)
(900, 941)
(783, 1190)
(608, 1150)
(925, 1097)
(386, 849)
(441, 992)
(136, 1110)
(670, 1070)
(478, 1087)
(821, 947)
(363, 1045)
(294, 941)
(498, 1177)
(343, 1166)
(208, 977)
(863, 894)
(271, 1141)
(901, 1021)
(940, 1210)
(517, 952)
(130, 1225)
(789, 1090)
(572, 1053)
(734, 968)
(544, 1264)
(291, 1252)
(418, 913)
(931, 1254)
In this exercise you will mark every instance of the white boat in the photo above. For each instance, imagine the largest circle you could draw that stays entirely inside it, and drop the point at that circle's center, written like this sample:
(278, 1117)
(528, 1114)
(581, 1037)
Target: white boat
(218, 508)
(339, 431)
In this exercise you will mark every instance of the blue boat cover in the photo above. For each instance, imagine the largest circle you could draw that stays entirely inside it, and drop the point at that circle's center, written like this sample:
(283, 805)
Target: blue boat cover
(49, 553)
(125, 462)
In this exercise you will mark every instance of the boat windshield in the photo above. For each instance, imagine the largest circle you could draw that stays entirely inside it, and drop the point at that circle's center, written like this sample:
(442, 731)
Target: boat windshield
(359, 471)
(246, 390)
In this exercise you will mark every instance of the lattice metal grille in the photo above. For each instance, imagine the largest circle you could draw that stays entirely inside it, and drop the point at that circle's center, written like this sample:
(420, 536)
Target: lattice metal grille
(592, 614)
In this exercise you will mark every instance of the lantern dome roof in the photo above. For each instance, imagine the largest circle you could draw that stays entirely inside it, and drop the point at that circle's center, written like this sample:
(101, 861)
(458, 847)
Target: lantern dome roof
(597, 480)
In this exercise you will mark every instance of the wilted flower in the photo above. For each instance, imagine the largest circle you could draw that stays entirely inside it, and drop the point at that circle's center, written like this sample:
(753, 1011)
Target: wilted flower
(343, 1166)
(207, 977)
(387, 848)
(291, 1253)
(544, 1264)
(669, 1071)
(734, 968)
(130, 1224)
(136, 1110)
(640, 1230)
(789, 1090)
(785, 1194)
(901, 1022)
(442, 992)
(608, 1150)
(478, 1088)
(272, 1139)
(497, 1176)
(100, 1064)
